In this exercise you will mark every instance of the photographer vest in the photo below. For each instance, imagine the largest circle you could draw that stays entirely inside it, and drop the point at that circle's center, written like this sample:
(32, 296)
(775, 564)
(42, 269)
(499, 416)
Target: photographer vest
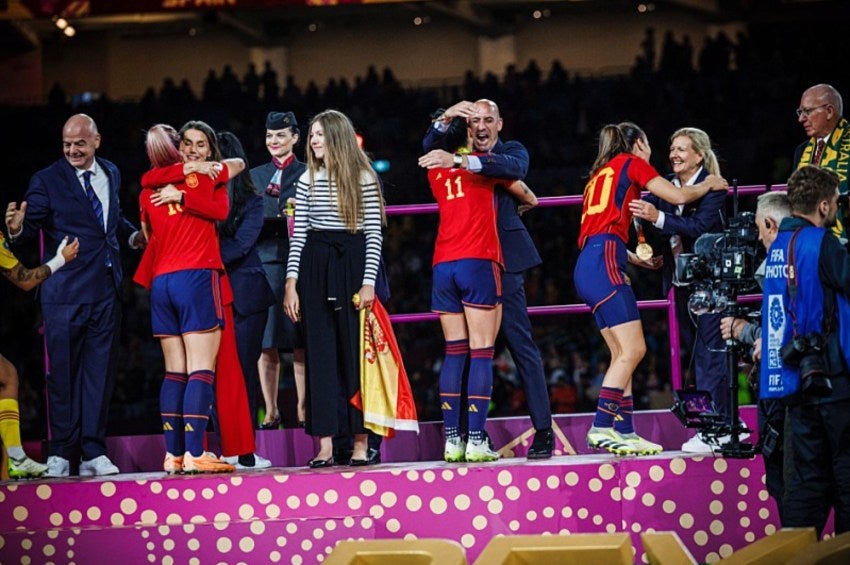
(777, 380)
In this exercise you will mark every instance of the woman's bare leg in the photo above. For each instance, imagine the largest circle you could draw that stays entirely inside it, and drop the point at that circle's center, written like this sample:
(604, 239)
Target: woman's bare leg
(269, 367)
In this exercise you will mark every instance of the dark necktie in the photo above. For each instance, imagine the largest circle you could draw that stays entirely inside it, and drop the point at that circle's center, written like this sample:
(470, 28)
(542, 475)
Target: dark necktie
(818, 152)
(93, 199)
(95, 205)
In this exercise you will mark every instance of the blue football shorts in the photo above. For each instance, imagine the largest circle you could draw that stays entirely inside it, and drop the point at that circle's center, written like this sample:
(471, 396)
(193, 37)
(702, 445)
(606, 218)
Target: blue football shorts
(186, 302)
(601, 281)
(476, 283)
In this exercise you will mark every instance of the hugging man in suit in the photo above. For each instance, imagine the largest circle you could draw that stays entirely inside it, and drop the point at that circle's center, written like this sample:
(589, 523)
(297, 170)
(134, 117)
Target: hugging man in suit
(492, 157)
(78, 197)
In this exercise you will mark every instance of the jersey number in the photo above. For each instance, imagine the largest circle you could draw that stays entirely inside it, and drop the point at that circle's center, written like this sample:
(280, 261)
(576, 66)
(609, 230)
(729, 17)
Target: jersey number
(174, 207)
(458, 185)
(598, 192)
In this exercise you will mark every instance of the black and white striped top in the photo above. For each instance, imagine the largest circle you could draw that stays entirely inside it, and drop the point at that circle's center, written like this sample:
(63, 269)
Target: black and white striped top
(318, 212)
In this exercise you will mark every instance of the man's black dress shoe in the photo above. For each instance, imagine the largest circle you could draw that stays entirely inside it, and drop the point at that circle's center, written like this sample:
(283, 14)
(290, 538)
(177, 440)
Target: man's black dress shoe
(543, 444)
(373, 456)
(321, 463)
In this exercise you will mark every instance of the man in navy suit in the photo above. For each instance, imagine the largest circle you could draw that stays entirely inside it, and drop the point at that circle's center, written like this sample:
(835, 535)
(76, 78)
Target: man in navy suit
(78, 197)
(505, 160)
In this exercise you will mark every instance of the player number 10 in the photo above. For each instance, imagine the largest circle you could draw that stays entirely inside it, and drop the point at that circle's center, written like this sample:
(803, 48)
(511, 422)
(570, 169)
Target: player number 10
(598, 192)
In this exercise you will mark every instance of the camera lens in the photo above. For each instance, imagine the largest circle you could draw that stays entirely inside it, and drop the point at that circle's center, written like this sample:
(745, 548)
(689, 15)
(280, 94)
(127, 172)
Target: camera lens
(817, 385)
(701, 302)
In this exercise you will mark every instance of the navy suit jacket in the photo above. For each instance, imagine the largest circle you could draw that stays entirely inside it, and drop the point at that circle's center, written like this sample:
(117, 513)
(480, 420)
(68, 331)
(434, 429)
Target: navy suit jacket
(507, 160)
(798, 154)
(273, 244)
(58, 205)
(251, 290)
(705, 215)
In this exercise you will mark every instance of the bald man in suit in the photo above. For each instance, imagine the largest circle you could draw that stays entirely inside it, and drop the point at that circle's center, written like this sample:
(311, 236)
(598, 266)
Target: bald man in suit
(78, 196)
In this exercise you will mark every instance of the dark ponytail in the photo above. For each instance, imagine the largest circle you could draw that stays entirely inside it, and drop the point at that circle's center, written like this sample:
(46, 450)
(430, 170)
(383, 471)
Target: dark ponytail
(615, 139)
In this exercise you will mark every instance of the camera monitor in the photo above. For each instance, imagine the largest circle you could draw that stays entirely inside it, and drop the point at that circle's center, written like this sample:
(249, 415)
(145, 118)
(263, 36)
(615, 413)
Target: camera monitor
(695, 408)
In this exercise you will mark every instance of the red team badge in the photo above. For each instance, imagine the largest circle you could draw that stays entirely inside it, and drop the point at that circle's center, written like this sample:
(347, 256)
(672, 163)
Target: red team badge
(192, 180)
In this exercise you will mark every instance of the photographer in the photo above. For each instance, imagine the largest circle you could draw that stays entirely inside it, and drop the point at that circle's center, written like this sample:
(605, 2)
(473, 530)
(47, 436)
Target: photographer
(803, 359)
(771, 209)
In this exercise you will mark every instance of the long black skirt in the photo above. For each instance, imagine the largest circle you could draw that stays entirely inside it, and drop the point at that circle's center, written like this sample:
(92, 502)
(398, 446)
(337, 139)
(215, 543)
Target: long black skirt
(331, 272)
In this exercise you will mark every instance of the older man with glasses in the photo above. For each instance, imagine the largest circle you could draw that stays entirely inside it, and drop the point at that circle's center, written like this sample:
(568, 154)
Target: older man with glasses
(828, 146)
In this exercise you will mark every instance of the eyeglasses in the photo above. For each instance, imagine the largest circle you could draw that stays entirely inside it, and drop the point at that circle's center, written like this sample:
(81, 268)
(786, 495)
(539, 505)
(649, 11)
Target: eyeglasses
(806, 111)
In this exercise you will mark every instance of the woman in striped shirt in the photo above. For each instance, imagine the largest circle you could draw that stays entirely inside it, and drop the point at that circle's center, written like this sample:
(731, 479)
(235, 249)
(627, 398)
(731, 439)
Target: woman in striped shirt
(334, 254)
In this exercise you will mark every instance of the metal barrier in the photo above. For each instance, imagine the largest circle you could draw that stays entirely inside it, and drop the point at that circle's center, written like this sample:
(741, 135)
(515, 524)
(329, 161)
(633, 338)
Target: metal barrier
(576, 200)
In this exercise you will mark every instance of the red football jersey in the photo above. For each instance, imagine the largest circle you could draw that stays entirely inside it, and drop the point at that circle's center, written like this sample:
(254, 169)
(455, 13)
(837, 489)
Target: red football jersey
(467, 216)
(160, 176)
(184, 236)
(608, 193)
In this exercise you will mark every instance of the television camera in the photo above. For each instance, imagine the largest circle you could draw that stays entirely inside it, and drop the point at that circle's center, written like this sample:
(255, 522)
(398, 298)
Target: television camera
(722, 266)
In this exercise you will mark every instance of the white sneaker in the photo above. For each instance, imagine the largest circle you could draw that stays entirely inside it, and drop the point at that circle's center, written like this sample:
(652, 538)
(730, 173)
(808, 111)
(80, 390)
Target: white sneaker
(480, 451)
(701, 443)
(260, 462)
(98, 467)
(455, 451)
(57, 467)
(723, 440)
(698, 444)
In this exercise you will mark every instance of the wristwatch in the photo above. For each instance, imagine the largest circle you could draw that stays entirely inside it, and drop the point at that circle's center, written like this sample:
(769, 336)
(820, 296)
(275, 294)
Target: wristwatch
(457, 160)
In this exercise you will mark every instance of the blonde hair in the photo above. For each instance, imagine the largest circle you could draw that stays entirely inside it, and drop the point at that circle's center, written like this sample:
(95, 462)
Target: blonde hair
(345, 163)
(702, 145)
(161, 143)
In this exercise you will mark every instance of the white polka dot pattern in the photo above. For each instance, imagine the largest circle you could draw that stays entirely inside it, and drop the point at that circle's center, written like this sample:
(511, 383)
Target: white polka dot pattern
(295, 516)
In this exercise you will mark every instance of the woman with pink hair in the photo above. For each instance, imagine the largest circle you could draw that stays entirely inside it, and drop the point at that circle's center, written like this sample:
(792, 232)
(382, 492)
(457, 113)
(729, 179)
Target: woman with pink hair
(182, 266)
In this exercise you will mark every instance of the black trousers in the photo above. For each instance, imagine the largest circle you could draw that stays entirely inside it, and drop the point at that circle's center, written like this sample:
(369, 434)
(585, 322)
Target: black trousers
(771, 414)
(820, 478)
(82, 341)
(331, 272)
(516, 330)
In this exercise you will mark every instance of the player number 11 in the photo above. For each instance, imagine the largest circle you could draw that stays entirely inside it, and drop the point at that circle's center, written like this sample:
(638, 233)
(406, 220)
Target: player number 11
(458, 185)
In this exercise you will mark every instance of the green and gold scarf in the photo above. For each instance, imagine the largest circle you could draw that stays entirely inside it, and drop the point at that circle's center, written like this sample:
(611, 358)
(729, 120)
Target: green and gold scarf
(836, 157)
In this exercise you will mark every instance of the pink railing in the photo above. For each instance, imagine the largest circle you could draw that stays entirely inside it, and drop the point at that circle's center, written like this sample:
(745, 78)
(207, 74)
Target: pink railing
(576, 200)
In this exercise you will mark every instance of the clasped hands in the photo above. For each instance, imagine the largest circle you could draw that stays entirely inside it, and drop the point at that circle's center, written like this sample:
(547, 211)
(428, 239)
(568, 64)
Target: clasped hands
(168, 194)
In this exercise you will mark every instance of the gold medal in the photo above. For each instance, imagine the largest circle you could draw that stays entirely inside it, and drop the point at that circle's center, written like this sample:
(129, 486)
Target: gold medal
(643, 251)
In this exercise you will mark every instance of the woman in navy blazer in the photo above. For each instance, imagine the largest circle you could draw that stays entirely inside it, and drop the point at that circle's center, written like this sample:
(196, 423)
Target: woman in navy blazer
(692, 159)
(252, 295)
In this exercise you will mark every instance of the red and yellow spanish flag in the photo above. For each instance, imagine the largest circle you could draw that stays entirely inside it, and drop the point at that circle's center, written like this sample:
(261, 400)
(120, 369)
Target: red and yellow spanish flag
(385, 396)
